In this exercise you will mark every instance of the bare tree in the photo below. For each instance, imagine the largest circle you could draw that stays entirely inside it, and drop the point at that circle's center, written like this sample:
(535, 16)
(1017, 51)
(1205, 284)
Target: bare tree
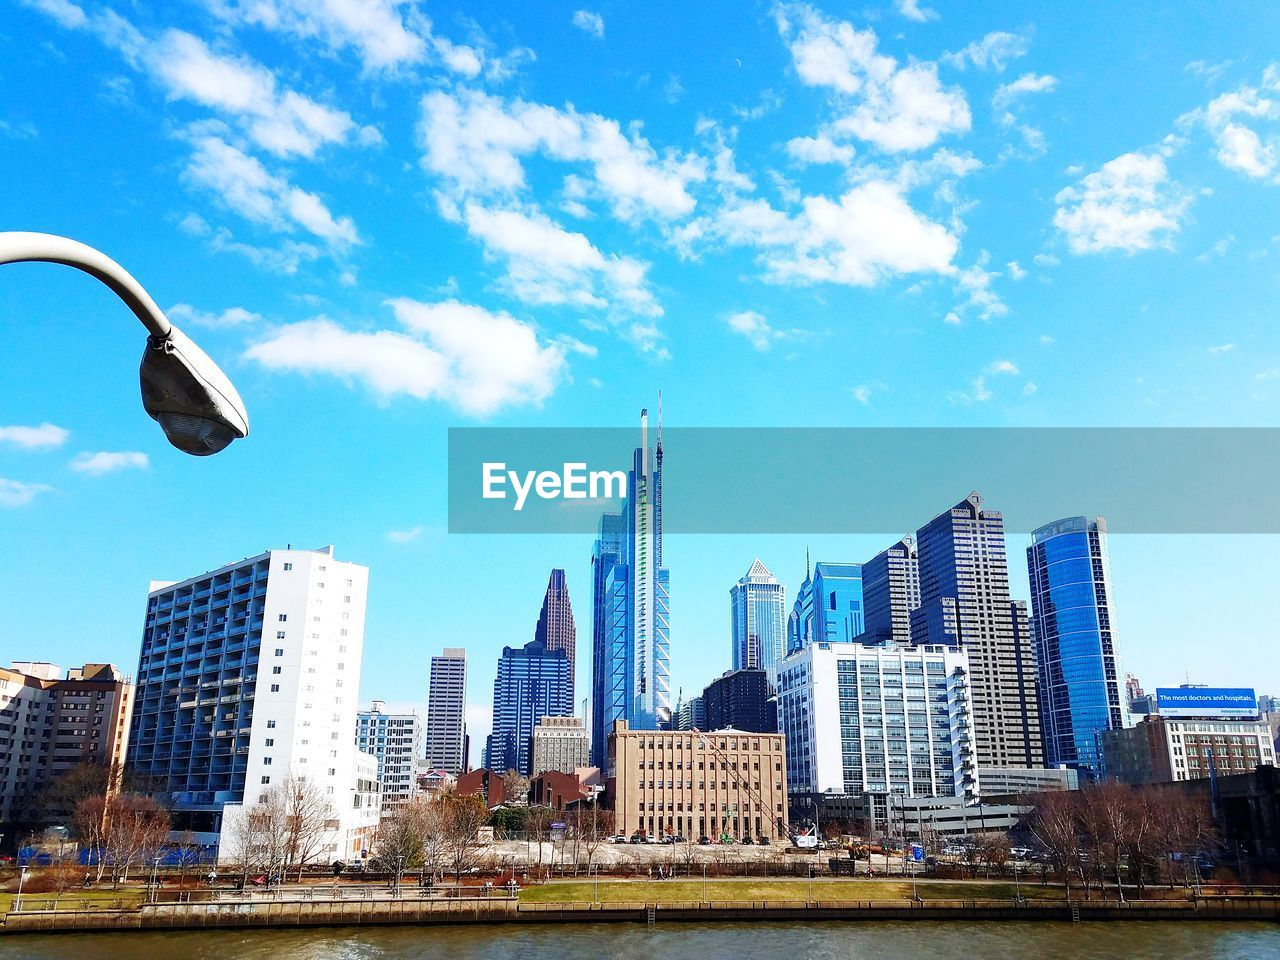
(515, 787)
(460, 820)
(89, 820)
(594, 826)
(1055, 823)
(308, 816)
(403, 834)
(136, 827)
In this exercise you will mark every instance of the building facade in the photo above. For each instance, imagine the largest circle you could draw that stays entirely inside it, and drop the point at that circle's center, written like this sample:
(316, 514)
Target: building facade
(1163, 750)
(671, 783)
(560, 744)
(446, 732)
(800, 620)
(741, 699)
(758, 620)
(394, 738)
(247, 678)
(869, 719)
(52, 721)
(631, 669)
(1081, 685)
(556, 629)
(890, 592)
(532, 682)
(691, 714)
(965, 602)
(837, 603)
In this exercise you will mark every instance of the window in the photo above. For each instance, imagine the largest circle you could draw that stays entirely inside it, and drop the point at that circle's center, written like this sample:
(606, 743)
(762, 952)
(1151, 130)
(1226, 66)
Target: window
(279, 636)
(288, 566)
(284, 617)
(279, 651)
(275, 688)
(266, 779)
(266, 761)
(270, 742)
(271, 724)
(277, 670)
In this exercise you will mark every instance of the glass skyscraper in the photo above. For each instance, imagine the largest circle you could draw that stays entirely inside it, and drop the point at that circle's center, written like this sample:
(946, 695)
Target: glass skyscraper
(1081, 683)
(837, 602)
(631, 669)
(800, 621)
(891, 590)
(759, 616)
(532, 683)
(555, 626)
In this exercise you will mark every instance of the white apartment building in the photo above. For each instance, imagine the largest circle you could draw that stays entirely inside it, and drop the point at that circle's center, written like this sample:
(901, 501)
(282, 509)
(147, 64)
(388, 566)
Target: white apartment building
(248, 676)
(862, 719)
(561, 744)
(394, 739)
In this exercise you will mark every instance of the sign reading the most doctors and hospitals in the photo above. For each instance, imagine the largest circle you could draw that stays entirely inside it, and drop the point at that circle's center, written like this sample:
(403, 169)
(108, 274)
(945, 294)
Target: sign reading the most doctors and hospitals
(1210, 702)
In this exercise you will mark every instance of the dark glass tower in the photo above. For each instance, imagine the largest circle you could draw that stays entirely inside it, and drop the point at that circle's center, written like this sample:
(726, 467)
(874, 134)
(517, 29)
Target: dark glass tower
(532, 683)
(556, 629)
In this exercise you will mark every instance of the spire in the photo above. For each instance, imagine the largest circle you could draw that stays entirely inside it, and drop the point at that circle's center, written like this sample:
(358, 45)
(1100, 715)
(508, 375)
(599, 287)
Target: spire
(807, 570)
(659, 419)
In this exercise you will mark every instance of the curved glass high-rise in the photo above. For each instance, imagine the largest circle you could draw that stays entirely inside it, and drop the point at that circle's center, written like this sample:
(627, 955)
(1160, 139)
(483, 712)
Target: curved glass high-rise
(1081, 683)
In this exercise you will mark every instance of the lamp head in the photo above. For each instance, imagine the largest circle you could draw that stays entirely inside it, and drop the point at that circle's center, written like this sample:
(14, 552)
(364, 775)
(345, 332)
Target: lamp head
(192, 400)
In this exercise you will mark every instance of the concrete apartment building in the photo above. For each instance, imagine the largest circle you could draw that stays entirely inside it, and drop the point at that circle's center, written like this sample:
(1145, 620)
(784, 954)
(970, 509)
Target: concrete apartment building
(560, 744)
(51, 722)
(670, 782)
(1163, 750)
(248, 676)
(394, 739)
(446, 732)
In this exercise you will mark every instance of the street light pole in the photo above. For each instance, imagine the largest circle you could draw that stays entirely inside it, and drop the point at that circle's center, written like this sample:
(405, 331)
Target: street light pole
(22, 878)
(182, 389)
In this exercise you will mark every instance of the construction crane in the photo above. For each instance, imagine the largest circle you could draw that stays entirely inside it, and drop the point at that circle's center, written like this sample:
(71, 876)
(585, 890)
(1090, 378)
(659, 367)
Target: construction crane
(720, 755)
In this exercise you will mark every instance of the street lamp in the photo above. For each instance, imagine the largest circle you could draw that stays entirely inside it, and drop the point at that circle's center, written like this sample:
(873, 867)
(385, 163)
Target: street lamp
(155, 867)
(22, 878)
(182, 389)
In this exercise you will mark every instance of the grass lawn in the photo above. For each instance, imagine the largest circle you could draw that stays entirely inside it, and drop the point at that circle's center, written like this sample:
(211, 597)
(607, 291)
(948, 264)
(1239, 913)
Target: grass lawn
(615, 891)
(103, 899)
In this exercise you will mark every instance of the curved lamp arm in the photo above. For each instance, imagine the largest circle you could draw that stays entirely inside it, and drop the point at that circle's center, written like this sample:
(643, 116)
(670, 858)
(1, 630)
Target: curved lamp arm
(19, 247)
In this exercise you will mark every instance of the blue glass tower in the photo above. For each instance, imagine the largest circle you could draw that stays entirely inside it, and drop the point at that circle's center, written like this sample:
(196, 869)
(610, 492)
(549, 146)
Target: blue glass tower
(532, 682)
(631, 614)
(837, 602)
(1081, 685)
(758, 622)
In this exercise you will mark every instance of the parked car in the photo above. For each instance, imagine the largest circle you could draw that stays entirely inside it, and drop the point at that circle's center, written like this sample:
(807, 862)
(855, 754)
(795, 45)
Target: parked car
(704, 841)
(669, 839)
(1020, 853)
(651, 839)
(763, 841)
(637, 838)
(618, 838)
(954, 850)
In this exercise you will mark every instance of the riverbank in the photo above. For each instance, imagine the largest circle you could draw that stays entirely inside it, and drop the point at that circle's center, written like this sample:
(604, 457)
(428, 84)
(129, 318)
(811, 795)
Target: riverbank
(495, 910)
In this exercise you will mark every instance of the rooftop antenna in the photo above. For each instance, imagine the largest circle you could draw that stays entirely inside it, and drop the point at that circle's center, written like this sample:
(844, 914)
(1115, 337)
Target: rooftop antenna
(806, 563)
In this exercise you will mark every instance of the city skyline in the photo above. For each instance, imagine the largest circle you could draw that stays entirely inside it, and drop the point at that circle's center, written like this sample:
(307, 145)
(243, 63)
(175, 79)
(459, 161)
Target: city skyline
(352, 239)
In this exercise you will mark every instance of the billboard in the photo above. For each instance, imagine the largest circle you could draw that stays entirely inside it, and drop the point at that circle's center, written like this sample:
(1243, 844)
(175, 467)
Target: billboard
(1210, 702)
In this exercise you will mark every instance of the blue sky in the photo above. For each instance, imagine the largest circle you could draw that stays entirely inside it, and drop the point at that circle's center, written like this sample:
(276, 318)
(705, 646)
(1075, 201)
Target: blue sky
(385, 219)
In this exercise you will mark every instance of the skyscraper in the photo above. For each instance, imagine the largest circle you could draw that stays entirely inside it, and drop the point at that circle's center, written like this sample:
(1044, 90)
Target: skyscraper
(556, 629)
(1081, 690)
(837, 602)
(631, 672)
(890, 591)
(800, 620)
(741, 700)
(247, 677)
(532, 682)
(446, 731)
(964, 601)
(393, 738)
(759, 604)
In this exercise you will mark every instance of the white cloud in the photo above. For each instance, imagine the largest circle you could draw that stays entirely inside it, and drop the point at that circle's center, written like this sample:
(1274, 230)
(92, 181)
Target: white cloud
(34, 438)
(1016, 272)
(755, 328)
(975, 284)
(1129, 204)
(404, 536)
(1028, 83)
(1222, 348)
(864, 391)
(1047, 340)
(476, 141)
(17, 493)
(96, 464)
(589, 22)
(1235, 120)
(476, 360)
(869, 234)
(912, 10)
(820, 149)
(230, 317)
(65, 12)
(995, 51)
(980, 392)
(245, 186)
(895, 108)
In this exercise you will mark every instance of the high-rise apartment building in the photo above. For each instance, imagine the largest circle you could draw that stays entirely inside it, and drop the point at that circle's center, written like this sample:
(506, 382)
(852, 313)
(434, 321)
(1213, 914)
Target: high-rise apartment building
(556, 629)
(759, 619)
(560, 744)
(631, 670)
(741, 700)
(247, 678)
(669, 783)
(890, 592)
(1080, 685)
(394, 738)
(51, 722)
(446, 732)
(964, 601)
(532, 682)
(877, 719)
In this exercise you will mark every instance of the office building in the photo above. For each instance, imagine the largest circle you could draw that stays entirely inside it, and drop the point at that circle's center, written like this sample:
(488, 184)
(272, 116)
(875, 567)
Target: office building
(556, 629)
(869, 719)
(800, 620)
(1161, 749)
(446, 732)
(1017, 781)
(837, 603)
(759, 620)
(560, 744)
(532, 682)
(394, 739)
(52, 721)
(631, 669)
(741, 700)
(890, 592)
(965, 602)
(691, 714)
(248, 678)
(1073, 622)
(672, 783)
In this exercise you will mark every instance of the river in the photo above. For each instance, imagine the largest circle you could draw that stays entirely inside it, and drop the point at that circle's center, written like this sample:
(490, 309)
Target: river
(919, 940)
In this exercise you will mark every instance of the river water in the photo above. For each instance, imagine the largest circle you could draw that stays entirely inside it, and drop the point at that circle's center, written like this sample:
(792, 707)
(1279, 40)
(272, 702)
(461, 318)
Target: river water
(918, 940)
